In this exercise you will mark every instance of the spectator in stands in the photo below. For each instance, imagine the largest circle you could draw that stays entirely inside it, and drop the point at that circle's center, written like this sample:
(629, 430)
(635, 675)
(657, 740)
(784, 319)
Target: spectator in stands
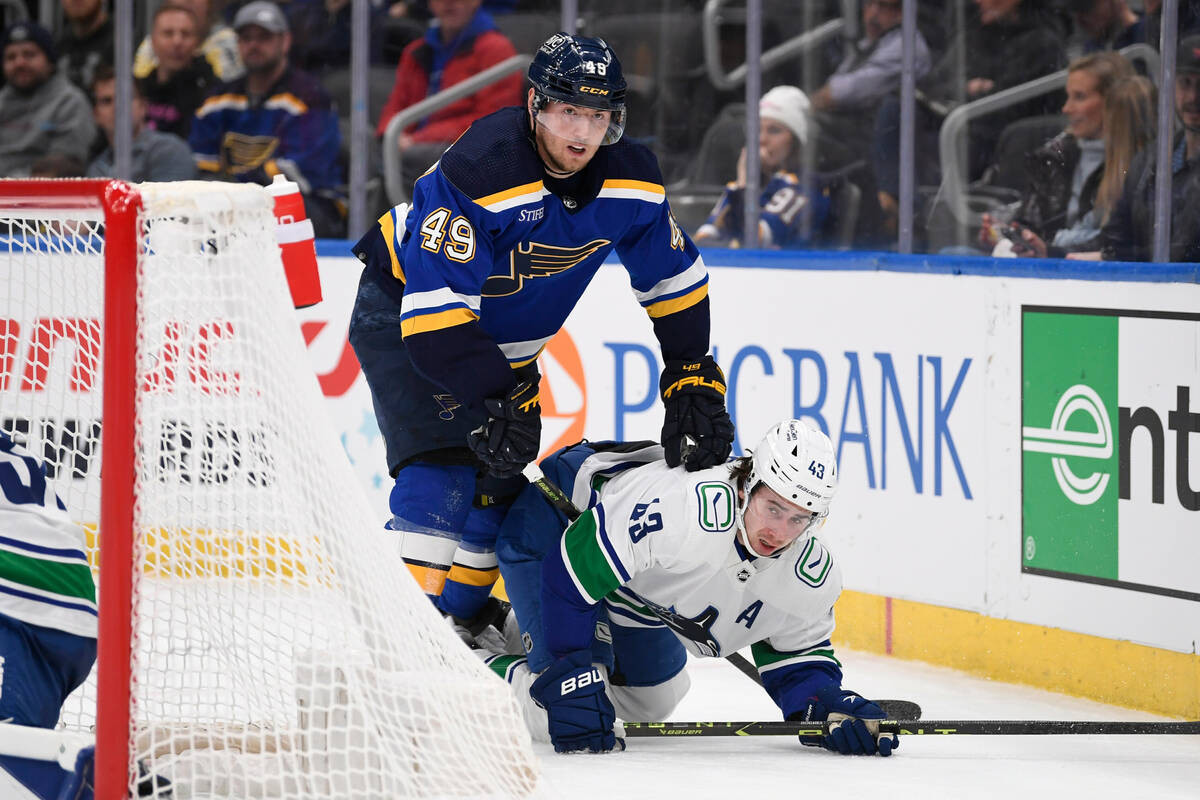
(182, 77)
(462, 41)
(87, 40)
(1129, 128)
(1106, 24)
(795, 207)
(321, 33)
(1129, 233)
(157, 156)
(845, 106)
(420, 8)
(274, 120)
(1066, 172)
(40, 110)
(218, 44)
(1188, 19)
(1007, 43)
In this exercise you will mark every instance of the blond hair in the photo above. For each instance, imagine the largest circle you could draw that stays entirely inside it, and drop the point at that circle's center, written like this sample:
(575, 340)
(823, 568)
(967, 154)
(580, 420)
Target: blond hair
(1129, 125)
(1107, 68)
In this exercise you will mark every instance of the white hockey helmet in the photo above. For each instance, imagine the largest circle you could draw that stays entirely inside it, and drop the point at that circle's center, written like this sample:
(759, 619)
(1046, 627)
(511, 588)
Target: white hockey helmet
(798, 462)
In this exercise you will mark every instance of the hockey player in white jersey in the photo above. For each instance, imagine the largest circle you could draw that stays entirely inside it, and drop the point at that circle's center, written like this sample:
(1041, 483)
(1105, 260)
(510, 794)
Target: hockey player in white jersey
(47, 625)
(666, 562)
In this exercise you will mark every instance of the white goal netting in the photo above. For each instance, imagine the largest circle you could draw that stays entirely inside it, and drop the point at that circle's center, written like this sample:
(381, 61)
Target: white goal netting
(280, 648)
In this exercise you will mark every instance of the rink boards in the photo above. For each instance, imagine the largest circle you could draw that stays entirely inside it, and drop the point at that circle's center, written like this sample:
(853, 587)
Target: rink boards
(939, 389)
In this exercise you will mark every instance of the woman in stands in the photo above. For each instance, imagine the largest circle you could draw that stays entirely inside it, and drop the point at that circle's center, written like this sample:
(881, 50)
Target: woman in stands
(1130, 125)
(1072, 185)
(794, 206)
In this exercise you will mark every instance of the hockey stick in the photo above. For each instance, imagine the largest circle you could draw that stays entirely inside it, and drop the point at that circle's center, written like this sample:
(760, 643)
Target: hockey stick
(896, 709)
(1027, 727)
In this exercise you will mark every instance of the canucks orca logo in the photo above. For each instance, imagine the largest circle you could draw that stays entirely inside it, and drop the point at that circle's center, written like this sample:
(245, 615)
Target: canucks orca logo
(535, 260)
(697, 628)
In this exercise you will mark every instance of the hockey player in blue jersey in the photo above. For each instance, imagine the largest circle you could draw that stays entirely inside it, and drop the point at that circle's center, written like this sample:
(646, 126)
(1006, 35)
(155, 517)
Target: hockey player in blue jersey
(667, 562)
(47, 625)
(461, 292)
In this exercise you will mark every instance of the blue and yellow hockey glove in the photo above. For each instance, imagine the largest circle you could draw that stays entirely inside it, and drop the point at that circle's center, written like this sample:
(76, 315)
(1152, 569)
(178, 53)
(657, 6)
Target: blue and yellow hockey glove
(693, 395)
(512, 435)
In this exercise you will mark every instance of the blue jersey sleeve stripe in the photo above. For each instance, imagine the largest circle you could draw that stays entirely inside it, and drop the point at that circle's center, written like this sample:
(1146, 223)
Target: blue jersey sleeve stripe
(667, 307)
(511, 198)
(602, 532)
(437, 300)
(424, 323)
(676, 295)
(633, 190)
(683, 281)
(418, 312)
(16, 544)
(517, 363)
(523, 351)
(50, 601)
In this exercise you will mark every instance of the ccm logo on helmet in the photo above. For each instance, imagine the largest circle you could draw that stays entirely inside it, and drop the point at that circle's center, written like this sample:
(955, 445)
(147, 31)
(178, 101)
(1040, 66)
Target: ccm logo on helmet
(592, 90)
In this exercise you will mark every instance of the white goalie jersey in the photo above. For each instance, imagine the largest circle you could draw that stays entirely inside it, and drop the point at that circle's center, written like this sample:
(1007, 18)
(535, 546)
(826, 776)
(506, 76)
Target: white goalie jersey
(658, 548)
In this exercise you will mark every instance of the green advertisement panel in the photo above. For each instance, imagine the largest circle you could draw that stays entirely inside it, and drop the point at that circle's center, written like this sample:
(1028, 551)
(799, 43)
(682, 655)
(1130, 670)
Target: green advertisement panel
(1069, 460)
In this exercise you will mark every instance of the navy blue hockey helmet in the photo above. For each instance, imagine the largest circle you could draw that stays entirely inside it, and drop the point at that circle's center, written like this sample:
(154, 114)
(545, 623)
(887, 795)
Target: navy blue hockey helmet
(582, 72)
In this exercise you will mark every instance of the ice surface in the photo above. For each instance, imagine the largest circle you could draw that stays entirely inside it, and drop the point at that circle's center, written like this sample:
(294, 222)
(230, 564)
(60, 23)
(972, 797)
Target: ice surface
(1007, 767)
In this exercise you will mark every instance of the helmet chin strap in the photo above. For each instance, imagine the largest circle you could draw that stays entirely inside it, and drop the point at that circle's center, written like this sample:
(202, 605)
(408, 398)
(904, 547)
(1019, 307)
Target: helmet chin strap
(741, 529)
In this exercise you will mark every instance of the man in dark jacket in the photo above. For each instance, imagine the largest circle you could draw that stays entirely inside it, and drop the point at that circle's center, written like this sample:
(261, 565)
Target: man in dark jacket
(86, 41)
(276, 119)
(1129, 233)
(1004, 46)
(181, 77)
(41, 112)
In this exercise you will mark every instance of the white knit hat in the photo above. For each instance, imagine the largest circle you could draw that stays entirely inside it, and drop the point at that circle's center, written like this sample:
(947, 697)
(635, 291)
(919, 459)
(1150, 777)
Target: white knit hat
(790, 106)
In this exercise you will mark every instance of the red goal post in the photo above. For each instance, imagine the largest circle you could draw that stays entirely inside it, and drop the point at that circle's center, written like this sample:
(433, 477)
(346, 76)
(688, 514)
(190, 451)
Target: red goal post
(256, 638)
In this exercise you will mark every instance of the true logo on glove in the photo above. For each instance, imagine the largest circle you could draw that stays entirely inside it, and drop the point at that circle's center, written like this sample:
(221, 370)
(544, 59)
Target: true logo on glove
(694, 380)
(531, 403)
(580, 681)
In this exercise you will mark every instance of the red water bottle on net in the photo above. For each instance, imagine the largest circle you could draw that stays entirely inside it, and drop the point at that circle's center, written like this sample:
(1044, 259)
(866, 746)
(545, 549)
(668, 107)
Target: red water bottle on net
(294, 232)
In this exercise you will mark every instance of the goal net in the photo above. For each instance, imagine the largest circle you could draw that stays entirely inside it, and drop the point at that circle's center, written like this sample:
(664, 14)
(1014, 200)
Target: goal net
(260, 636)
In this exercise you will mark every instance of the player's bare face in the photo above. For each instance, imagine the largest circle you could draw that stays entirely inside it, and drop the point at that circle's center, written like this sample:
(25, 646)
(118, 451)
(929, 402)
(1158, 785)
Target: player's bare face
(568, 136)
(773, 523)
(774, 144)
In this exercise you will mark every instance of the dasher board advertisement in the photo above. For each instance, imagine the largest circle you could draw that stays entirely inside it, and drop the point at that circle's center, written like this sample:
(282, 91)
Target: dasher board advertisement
(1110, 479)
